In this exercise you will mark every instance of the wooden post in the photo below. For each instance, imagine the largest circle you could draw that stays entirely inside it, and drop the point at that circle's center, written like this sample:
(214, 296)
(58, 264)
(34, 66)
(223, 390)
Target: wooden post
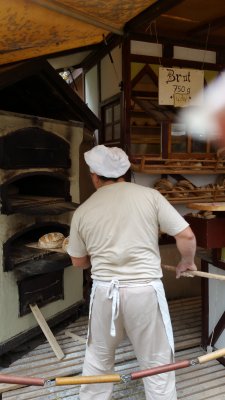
(47, 331)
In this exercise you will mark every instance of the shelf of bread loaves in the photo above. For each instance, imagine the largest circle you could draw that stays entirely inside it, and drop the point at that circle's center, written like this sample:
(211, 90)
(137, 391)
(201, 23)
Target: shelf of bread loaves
(184, 190)
(157, 165)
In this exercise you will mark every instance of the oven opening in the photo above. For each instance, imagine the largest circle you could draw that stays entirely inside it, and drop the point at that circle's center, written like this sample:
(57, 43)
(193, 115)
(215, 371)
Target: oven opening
(33, 147)
(21, 252)
(41, 289)
(37, 193)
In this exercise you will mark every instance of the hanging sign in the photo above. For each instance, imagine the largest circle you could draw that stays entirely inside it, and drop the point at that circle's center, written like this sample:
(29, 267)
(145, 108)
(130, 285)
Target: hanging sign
(180, 87)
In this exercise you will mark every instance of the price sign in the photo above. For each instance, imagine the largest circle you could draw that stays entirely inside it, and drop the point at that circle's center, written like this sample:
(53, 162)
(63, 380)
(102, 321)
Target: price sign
(180, 87)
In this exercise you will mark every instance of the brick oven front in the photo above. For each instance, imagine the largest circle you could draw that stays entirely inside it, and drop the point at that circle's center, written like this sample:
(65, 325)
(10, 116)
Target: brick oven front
(44, 130)
(42, 180)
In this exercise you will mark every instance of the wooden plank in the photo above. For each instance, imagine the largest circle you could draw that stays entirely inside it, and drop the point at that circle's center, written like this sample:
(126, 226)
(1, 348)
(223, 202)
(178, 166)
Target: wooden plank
(213, 206)
(47, 331)
(34, 245)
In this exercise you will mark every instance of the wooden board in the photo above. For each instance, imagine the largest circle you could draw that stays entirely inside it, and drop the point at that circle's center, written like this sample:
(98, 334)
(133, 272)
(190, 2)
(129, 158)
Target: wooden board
(34, 245)
(47, 331)
(214, 206)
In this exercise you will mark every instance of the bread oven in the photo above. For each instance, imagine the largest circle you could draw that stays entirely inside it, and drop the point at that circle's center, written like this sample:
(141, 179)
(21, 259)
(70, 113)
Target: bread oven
(43, 178)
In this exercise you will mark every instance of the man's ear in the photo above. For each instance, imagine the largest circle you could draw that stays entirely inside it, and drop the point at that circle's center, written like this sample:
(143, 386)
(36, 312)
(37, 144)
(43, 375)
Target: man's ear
(96, 180)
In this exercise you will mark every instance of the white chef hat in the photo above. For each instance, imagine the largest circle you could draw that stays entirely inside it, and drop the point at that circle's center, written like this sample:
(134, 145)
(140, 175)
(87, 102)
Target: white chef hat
(111, 162)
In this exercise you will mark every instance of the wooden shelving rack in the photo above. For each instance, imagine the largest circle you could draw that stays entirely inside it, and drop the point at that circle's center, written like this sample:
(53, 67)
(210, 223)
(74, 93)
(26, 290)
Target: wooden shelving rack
(153, 165)
(194, 195)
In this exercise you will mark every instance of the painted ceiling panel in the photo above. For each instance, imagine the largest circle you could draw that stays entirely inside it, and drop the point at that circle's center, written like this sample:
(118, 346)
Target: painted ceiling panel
(115, 12)
(33, 28)
(36, 28)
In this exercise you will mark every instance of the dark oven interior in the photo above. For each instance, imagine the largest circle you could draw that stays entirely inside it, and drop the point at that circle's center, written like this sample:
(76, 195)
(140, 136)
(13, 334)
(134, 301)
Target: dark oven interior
(21, 252)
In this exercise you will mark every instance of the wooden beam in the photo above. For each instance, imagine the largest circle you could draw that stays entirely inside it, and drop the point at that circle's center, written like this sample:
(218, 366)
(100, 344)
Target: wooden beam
(175, 40)
(210, 26)
(47, 331)
(205, 305)
(168, 62)
(217, 331)
(101, 51)
(77, 15)
(146, 70)
(151, 13)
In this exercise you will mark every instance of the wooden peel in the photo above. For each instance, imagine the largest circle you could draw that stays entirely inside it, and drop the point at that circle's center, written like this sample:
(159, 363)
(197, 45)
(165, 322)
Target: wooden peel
(22, 380)
(191, 274)
(80, 380)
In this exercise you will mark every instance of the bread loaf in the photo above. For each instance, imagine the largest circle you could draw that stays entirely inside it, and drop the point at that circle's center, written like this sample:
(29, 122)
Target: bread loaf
(163, 184)
(185, 184)
(65, 244)
(52, 240)
(221, 153)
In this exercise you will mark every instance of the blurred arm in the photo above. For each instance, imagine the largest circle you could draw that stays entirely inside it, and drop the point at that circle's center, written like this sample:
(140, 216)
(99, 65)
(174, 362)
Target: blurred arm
(81, 262)
(186, 244)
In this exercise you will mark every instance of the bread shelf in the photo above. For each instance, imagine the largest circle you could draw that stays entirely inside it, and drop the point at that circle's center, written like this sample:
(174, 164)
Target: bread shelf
(140, 138)
(194, 195)
(149, 127)
(154, 165)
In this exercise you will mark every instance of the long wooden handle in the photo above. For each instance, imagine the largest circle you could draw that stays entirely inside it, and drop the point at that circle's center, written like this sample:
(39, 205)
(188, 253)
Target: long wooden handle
(211, 356)
(80, 380)
(22, 380)
(201, 274)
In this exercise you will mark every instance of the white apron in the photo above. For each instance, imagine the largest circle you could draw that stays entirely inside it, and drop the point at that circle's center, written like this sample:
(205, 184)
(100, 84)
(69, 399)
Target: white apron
(113, 293)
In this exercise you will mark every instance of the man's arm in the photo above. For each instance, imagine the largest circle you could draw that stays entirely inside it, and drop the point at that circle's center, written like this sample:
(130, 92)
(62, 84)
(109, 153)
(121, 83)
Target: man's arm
(186, 244)
(81, 262)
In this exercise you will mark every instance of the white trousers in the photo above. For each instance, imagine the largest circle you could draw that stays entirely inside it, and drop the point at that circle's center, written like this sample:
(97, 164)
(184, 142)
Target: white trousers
(139, 317)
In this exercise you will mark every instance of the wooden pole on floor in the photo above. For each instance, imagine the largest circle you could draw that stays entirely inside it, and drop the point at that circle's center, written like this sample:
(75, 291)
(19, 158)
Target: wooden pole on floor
(47, 331)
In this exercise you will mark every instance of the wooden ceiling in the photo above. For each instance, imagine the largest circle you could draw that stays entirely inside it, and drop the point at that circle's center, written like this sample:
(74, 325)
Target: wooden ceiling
(199, 22)
(46, 28)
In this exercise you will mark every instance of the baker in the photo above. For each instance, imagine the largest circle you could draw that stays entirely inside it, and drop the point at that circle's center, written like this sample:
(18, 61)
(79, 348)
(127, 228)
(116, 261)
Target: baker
(116, 232)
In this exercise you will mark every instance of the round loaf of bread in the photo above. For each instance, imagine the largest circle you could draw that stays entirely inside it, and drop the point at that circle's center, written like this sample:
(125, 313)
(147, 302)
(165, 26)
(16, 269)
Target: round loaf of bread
(52, 240)
(178, 191)
(186, 184)
(65, 244)
(221, 152)
(163, 184)
(196, 165)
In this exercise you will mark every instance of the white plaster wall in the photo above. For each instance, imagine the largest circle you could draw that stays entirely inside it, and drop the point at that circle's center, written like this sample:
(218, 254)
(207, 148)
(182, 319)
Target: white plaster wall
(216, 303)
(91, 90)
(145, 48)
(12, 324)
(184, 53)
(149, 180)
(111, 74)
(179, 52)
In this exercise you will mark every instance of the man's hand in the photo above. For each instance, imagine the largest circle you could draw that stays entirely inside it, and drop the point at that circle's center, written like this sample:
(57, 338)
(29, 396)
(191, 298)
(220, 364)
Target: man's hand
(184, 267)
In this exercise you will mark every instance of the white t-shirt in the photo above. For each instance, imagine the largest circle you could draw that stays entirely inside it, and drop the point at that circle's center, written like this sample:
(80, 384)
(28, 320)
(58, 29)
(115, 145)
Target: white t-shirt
(118, 228)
